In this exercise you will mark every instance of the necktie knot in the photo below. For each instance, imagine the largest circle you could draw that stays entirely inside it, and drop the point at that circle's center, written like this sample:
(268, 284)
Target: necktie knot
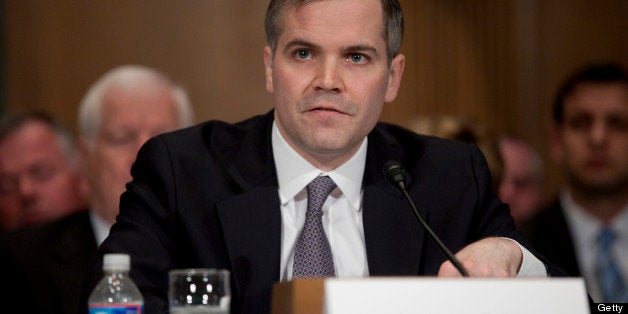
(317, 192)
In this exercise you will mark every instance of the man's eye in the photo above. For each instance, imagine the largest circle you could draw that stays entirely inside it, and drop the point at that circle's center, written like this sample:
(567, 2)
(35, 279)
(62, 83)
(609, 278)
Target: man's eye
(303, 54)
(119, 139)
(357, 58)
(7, 185)
(580, 122)
(42, 173)
(619, 124)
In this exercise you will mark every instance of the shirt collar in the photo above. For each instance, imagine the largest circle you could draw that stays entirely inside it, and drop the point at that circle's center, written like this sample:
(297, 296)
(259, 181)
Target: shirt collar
(295, 172)
(589, 226)
(100, 225)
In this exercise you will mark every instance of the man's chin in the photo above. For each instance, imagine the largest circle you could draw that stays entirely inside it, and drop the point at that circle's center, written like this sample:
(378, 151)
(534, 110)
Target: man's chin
(601, 186)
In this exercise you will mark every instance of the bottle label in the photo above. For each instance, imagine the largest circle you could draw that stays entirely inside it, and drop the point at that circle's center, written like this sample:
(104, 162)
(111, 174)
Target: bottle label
(113, 308)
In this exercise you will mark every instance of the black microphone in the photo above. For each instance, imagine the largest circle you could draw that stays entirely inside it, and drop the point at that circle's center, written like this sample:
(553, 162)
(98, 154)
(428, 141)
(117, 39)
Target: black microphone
(396, 175)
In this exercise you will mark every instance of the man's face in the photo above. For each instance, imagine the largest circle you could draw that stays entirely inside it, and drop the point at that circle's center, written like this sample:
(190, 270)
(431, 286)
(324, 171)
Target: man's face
(37, 181)
(592, 142)
(129, 119)
(330, 77)
(521, 182)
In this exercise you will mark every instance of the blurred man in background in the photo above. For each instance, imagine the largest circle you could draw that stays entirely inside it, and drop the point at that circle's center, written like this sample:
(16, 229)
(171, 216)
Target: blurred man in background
(39, 176)
(120, 112)
(521, 184)
(586, 230)
(45, 267)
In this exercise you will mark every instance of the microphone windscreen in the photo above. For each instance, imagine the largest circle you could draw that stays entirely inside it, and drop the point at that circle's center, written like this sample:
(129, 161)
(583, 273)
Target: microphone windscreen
(394, 173)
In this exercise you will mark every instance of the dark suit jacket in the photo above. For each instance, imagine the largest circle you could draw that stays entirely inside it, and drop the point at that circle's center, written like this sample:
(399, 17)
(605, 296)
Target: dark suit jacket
(549, 234)
(207, 196)
(43, 268)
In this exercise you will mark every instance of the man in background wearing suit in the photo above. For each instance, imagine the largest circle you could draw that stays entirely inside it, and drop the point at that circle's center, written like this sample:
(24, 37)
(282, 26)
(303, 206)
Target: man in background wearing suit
(234, 196)
(585, 231)
(43, 268)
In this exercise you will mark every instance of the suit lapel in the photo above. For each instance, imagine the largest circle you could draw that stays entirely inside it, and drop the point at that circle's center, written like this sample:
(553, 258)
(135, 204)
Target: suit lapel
(559, 240)
(251, 219)
(252, 228)
(392, 234)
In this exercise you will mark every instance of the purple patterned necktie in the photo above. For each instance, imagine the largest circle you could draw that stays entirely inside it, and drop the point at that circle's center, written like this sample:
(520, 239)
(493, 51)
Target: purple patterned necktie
(312, 254)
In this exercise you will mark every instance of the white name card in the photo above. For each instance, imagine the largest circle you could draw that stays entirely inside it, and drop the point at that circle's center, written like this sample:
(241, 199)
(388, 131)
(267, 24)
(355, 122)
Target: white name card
(393, 295)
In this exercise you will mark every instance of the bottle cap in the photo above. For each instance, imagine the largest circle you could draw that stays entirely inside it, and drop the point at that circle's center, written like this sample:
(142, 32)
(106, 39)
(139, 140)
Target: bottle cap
(116, 262)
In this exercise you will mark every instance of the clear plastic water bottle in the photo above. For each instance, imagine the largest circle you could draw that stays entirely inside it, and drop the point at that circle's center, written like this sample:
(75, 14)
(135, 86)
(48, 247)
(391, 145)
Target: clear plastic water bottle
(116, 293)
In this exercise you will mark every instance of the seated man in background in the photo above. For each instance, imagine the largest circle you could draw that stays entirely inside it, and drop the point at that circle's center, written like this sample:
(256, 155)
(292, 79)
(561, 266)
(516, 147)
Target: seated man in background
(585, 230)
(522, 180)
(45, 267)
(39, 176)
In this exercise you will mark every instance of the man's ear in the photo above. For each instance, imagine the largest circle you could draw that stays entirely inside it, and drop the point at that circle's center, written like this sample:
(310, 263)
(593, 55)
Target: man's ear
(394, 77)
(268, 68)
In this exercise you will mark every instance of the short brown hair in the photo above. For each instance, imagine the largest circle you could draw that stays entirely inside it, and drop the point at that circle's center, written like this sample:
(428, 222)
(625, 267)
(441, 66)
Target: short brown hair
(601, 73)
(392, 32)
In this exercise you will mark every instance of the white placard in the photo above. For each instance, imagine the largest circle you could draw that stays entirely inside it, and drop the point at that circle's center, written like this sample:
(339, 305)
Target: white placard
(390, 295)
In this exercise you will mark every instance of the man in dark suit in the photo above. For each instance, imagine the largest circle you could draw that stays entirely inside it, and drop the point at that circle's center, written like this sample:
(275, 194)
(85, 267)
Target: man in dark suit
(585, 230)
(43, 268)
(234, 196)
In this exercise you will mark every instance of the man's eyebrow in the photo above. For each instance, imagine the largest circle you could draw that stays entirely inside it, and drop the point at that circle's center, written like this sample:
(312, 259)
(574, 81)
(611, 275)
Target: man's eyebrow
(363, 48)
(300, 43)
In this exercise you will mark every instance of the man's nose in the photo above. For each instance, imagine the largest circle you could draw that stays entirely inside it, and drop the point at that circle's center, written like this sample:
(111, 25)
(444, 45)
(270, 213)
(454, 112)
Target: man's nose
(25, 186)
(598, 133)
(329, 76)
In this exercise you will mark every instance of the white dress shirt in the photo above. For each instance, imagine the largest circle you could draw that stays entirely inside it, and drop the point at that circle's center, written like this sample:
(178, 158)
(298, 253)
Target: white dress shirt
(342, 211)
(585, 230)
(100, 226)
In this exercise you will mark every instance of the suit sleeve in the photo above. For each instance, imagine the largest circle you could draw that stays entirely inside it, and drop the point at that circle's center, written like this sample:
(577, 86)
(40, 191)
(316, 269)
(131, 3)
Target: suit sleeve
(496, 220)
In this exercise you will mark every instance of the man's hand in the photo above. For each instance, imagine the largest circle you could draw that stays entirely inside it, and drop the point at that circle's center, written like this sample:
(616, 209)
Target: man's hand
(489, 257)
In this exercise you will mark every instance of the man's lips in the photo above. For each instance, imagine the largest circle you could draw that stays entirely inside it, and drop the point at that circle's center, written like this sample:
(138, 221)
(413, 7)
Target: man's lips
(324, 109)
(597, 160)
